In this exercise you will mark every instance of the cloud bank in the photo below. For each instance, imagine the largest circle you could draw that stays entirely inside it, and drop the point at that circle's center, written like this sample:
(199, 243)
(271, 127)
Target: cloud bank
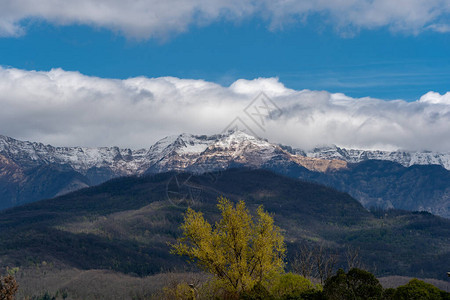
(68, 108)
(155, 18)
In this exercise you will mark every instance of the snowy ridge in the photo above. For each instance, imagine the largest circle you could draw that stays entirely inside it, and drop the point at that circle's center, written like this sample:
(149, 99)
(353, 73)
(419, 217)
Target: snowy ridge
(201, 153)
(25, 165)
(171, 153)
(404, 158)
(209, 153)
(30, 154)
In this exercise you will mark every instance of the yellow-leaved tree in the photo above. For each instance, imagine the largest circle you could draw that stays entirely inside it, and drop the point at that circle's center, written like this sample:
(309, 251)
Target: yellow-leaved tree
(240, 251)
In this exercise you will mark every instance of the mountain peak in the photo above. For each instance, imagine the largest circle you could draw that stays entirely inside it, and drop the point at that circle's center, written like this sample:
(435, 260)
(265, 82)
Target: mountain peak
(183, 152)
(231, 144)
(233, 138)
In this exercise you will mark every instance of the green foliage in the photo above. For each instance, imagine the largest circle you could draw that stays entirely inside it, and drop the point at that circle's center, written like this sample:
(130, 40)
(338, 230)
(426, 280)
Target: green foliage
(12, 271)
(356, 284)
(215, 289)
(286, 286)
(181, 291)
(258, 292)
(388, 294)
(418, 290)
(238, 250)
(290, 286)
(314, 294)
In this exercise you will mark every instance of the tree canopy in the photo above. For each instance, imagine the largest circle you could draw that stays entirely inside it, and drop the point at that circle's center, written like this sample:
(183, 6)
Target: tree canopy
(419, 290)
(356, 284)
(239, 250)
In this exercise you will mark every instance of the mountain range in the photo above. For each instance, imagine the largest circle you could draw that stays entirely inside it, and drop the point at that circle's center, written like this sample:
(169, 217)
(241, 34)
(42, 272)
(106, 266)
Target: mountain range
(32, 171)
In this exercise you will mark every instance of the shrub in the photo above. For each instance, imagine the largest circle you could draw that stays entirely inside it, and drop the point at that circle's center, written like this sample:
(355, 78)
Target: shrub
(356, 284)
(181, 291)
(417, 290)
(290, 285)
(258, 292)
(388, 294)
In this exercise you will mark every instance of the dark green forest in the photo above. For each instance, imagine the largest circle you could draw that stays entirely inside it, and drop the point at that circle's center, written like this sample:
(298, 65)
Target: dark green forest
(124, 225)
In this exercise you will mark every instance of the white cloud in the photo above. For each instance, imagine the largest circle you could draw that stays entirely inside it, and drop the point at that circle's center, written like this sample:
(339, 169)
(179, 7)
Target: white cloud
(155, 18)
(436, 98)
(68, 108)
(134, 18)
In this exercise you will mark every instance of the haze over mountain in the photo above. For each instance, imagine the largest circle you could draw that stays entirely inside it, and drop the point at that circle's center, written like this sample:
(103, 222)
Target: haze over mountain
(32, 171)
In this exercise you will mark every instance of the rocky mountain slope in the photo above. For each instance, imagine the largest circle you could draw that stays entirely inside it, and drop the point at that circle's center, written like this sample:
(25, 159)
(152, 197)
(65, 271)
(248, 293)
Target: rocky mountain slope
(182, 152)
(32, 171)
(405, 158)
(387, 185)
(22, 164)
(199, 153)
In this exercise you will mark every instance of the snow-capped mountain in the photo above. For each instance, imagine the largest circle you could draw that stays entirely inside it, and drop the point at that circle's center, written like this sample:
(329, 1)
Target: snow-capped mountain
(183, 152)
(30, 154)
(31, 171)
(404, 158)
(200, 154)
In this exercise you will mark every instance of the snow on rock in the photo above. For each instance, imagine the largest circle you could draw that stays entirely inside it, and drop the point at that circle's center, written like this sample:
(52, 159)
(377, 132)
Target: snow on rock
(201, 153)
(405, 158)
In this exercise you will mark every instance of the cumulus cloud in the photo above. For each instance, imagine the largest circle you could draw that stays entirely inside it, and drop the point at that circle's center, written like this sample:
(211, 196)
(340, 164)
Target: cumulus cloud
(436, 98)
(68, 108)
(154, 18)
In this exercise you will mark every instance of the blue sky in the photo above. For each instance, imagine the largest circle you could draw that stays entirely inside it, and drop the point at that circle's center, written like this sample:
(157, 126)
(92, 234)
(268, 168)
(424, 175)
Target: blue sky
(368, 74)
(376, 62)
